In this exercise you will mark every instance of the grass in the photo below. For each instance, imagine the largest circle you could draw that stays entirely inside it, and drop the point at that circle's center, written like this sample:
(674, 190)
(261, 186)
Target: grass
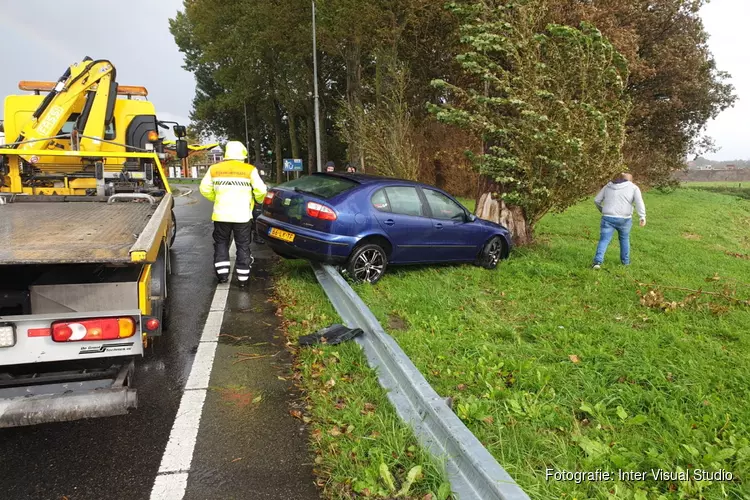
(361, 446)
(554, 365)
(738, 189)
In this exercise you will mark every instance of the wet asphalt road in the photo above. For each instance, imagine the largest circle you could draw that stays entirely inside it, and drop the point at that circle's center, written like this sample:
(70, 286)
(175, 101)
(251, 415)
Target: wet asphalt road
(118, 457)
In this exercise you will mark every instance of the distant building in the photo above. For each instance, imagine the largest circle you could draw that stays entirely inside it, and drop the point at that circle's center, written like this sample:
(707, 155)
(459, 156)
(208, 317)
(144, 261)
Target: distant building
(216, 155)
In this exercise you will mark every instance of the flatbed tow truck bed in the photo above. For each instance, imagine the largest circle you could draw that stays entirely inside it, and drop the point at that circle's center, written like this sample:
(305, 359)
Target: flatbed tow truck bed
(71, 232)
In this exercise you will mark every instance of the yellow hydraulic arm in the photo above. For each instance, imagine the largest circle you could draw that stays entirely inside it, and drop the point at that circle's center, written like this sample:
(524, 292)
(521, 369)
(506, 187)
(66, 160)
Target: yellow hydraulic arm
(88, 85)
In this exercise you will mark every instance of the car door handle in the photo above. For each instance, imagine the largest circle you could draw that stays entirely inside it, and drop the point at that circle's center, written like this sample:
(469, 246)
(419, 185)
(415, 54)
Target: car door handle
(390, 222)
(438, 226)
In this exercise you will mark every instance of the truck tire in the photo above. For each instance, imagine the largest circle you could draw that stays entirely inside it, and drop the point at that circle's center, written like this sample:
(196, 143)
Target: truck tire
(159, 288)
(173, 233)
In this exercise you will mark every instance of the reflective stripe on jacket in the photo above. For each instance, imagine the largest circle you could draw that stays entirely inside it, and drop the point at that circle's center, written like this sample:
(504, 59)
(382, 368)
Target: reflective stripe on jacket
(234, 187)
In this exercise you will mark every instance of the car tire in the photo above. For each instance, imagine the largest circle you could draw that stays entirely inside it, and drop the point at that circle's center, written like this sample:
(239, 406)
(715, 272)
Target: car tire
(491, 253)
(367, 263)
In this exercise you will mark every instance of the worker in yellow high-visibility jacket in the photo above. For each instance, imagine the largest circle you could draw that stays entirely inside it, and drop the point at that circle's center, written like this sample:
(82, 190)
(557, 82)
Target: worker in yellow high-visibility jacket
(234, 186)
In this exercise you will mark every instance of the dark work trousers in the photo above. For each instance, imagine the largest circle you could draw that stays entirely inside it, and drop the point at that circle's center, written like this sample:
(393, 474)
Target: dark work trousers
(223, 232)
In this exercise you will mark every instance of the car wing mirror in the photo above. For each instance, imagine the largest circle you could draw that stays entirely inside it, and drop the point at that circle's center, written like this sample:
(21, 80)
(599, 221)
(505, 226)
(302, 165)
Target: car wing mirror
(471, 218)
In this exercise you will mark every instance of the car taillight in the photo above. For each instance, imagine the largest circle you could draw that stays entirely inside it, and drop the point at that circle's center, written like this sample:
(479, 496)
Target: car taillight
(269, 197)
(320, 211)
(93, 329)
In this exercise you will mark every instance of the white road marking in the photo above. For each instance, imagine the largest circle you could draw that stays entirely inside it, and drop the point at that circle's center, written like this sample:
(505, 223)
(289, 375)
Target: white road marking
(213, 322)
(170, 486)
(171, 481)
(220, 299)
(179, 453)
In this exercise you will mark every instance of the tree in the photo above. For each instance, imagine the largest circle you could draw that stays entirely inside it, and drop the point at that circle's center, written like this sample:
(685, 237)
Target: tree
(385, 131)
(550, 105)
(675, 86)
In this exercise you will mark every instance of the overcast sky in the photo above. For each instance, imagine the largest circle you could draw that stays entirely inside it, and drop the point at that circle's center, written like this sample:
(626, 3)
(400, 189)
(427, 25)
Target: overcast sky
(727, 23)
(49, 35)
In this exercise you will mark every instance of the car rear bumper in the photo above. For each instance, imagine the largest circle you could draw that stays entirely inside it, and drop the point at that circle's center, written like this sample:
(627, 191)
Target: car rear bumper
(308, 244)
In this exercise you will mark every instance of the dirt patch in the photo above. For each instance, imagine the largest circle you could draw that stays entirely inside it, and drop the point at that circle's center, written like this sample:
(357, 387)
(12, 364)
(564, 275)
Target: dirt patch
(738, 255)
(396, 322)
(236, 396)
(691, 236)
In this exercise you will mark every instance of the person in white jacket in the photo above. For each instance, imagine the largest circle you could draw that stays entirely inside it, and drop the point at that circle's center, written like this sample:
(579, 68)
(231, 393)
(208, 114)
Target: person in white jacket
(615, 201)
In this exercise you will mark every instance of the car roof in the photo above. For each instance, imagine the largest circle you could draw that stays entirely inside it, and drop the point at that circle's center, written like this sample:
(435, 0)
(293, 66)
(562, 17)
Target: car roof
(371, 179)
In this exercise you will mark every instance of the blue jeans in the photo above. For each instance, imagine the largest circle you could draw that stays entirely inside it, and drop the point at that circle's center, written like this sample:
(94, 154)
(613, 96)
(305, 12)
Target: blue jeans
(608, 227)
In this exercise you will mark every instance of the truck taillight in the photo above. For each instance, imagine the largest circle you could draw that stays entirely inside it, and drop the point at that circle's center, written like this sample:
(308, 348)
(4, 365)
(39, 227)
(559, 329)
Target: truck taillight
(320, 211)
(152, 324)
(269, 197)
(93, 329)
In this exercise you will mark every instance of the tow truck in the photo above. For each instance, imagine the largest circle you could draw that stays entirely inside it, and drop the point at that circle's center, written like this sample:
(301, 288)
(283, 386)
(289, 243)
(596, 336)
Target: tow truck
(86, 226)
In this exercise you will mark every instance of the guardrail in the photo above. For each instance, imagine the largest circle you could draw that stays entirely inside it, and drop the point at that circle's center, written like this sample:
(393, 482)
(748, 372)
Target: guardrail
(473, 472)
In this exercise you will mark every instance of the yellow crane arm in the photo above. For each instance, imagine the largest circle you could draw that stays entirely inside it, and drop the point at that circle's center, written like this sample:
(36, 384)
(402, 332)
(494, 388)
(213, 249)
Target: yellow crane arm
(88, 83)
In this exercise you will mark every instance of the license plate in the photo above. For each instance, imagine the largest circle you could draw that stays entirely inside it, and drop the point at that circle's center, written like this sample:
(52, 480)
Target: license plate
(281, 235)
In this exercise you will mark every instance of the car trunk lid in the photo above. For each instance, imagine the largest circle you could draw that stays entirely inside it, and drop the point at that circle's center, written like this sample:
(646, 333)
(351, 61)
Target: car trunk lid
(289, 202)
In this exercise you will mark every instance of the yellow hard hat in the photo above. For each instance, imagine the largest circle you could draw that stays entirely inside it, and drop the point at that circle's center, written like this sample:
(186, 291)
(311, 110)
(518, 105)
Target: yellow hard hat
(235, 150)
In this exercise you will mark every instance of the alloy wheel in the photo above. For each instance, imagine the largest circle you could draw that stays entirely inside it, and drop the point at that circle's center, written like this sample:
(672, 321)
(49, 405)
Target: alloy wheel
(369, 265)
(494, 252)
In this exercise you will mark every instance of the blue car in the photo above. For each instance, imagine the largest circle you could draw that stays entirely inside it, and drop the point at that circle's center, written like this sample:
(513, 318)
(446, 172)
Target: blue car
(366, 223)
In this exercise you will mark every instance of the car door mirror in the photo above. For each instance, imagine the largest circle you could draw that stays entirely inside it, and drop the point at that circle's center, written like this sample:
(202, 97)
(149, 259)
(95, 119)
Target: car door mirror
(471, 217)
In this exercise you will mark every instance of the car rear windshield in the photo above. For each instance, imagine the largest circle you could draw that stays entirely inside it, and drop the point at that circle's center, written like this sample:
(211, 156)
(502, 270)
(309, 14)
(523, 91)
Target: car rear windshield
(322, 186)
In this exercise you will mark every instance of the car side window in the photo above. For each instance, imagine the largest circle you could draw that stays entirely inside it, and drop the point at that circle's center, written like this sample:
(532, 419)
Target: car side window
(404, 200)
(443, 207)
(380, 201)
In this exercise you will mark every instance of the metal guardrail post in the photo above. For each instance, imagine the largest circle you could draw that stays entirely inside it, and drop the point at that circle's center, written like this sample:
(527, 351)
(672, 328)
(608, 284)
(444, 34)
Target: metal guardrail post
(473, 472)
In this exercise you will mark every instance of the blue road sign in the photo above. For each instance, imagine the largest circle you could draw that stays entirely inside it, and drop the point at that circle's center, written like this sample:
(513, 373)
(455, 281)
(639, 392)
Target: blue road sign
(293, 165)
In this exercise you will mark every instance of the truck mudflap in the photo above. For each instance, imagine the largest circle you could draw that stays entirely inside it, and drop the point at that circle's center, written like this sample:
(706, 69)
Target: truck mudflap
(64, 396)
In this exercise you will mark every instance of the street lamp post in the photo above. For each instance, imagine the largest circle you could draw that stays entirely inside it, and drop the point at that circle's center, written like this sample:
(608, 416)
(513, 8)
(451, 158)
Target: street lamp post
(317, 98)
(247, 135)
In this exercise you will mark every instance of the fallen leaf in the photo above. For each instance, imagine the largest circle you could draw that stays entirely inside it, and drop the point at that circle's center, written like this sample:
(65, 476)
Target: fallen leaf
(335, 432)
(575, 359)
(295, 413)
(330, 383)
(306, 420)
(258, 399)
(488, 420)
(369, 408)
(350, 429)
(318, 460)
(461, 387)
(236, 460)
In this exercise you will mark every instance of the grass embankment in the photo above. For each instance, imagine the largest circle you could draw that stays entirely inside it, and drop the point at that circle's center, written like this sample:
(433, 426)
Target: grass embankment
(554, 365)
(361, 445)
(738, 189)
